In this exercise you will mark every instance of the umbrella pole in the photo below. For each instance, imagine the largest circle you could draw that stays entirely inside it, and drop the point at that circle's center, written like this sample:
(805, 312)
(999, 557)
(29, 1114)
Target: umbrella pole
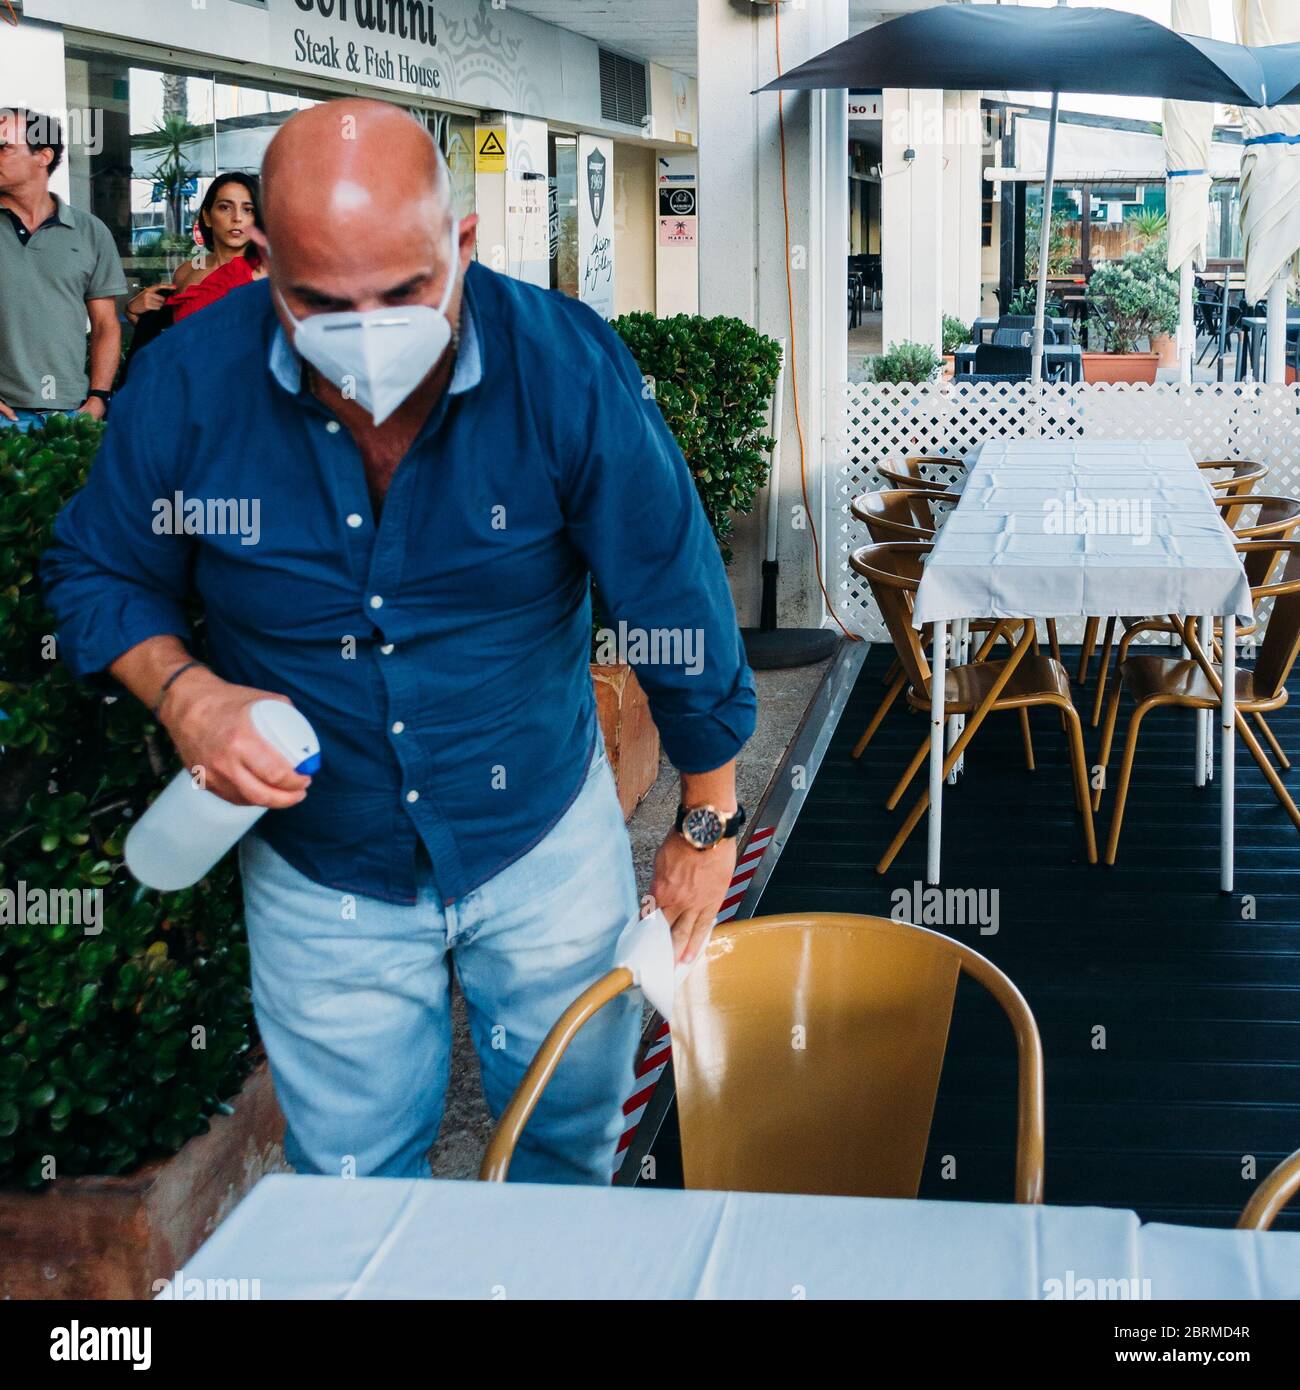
(1186, 321)
(1045, 239)
(1276, 359)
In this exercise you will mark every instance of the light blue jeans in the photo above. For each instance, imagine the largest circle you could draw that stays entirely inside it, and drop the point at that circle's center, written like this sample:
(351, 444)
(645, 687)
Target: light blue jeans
(27, 419)
(354, 1006)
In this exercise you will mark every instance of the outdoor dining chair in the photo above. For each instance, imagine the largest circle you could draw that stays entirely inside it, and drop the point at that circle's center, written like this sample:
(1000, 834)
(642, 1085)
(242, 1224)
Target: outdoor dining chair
(848, 1115)
(1276, 518)
(973, 690)
(1271, 1195)
(1156, 682)
(1242, 475)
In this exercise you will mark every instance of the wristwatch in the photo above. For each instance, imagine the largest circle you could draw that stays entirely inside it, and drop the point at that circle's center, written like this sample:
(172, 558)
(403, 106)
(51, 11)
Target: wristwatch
(105, 396)
(702, 827)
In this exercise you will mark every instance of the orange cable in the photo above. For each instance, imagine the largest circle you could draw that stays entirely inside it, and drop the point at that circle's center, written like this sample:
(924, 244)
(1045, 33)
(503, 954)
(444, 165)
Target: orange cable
(794, 361)
(10, 7)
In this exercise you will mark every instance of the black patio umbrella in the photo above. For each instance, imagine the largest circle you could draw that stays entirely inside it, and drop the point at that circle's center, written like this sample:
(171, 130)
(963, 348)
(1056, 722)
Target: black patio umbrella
(1107, 52)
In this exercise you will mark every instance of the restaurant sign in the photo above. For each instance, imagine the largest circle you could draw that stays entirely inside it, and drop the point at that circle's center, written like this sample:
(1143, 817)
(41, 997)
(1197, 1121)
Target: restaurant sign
(460, 50)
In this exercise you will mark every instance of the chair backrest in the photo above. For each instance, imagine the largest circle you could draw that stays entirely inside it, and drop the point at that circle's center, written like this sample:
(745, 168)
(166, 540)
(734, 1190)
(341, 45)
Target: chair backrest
(807, 1051)
(1020, 321)
(1281, 644)
(904, 478)
(1241, 476)
(893, 570)
(1021, 337)
(990, 359)
(895, 514)
(1266, 517)
(1272, 1195)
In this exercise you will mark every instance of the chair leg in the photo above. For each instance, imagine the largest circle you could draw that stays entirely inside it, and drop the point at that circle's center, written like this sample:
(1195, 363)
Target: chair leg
(1053, 639)
(1268, 733)
(1266, 767)
(1086, 650)
(877, 719)
(1126, 772)
(1028, 739)
(918, 758)
(1079, 767)
(1107, 739)
(1103, 670)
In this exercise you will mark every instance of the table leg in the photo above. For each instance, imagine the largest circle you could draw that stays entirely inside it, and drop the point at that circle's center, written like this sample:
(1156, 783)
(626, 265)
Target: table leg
(1228, 752)
(934, 822)
(1203, 754)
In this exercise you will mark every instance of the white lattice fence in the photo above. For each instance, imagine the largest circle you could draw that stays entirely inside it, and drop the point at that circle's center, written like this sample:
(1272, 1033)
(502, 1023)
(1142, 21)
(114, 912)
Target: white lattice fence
(877, 424)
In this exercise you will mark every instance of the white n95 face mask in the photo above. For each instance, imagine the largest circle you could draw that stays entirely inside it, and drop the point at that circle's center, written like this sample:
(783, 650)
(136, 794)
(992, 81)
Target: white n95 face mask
(379, 356)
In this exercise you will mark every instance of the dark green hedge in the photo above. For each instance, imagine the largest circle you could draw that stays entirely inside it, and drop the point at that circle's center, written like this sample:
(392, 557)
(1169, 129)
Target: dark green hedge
(712, 379)
(115, 1046)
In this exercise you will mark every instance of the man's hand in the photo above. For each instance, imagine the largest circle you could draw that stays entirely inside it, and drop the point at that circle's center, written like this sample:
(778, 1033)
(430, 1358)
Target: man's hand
(93, 407)
(689, 885)
(7, 413)
(208, 720)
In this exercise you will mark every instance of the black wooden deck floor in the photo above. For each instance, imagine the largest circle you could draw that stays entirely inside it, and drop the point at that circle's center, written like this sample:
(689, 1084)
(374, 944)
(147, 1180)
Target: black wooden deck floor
(1198, 999)
(1197, 993)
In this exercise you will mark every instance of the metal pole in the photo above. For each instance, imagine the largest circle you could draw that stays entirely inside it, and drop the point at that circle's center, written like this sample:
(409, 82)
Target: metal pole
(774, 466)
(1275, 358)
(938, 682)
(1227, 773)
(1045, 238)
(1186, 321)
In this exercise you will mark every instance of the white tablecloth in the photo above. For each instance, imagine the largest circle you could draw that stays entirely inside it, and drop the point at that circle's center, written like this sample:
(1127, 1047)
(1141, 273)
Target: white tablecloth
(311, 1237)
(1027, 538)
(1189, 1262)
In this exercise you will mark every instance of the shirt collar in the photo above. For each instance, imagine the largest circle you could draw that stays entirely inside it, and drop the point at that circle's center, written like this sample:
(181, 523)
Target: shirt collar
(286, 365)
(62, 215)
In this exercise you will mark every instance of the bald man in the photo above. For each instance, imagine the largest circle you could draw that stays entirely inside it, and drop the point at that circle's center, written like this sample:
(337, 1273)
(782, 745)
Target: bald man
(438, 459)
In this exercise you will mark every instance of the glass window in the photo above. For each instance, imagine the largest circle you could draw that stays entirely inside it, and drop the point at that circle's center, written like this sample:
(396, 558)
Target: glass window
(563, 198)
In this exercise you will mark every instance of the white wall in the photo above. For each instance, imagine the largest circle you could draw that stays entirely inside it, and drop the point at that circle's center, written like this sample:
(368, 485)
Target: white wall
(963, 158)
(743, 254)
(912, 235)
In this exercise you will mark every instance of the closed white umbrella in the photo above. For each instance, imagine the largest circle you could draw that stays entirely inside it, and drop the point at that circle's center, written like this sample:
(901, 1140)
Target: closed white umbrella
(1270, 180)
(1189, 132)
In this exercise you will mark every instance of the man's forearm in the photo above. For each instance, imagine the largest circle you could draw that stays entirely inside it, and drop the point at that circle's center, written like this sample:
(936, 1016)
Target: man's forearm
(716, 788)
(105, 353)
(147, 665)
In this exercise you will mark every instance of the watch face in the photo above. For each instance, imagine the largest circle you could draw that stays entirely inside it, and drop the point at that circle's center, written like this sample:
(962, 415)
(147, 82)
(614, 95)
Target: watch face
(702, 826)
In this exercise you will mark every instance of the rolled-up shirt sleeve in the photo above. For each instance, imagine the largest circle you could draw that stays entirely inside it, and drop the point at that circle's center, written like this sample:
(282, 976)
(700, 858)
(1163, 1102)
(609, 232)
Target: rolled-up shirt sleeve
(633, 512)
(111, 580)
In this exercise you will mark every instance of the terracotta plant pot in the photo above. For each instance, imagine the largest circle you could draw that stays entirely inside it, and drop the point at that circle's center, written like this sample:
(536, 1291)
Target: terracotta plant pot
(1165, 346)
(631, 739)
(113, 1237)
(949, 367)
(1120, 367)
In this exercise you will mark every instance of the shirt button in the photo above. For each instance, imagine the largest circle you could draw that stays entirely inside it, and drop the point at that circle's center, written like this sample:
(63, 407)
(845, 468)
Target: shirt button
(376, 601)
(413, 796)
(333, 427)
(387, 649)
(398, 727)
(354, 519)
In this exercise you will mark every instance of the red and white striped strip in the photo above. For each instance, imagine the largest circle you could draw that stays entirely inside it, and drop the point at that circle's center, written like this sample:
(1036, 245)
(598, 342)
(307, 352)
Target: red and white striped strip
(651, 1066)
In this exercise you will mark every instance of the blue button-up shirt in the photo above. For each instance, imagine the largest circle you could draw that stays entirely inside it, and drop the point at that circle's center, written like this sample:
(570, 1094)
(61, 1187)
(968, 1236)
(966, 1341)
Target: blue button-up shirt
(442, 655)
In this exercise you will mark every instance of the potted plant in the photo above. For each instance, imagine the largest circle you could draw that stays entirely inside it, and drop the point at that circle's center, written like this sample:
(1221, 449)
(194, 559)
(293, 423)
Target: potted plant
(1132, 299)
(905, 363)
(712, 379)
(956, 334)
(134, 1111)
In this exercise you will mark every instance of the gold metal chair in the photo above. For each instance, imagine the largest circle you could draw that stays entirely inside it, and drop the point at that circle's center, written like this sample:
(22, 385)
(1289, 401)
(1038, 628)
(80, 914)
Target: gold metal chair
(1195, 684)
(1242, 476)
(903, 514)
(807, 1051)
(974, 690)
(1272, 1195)
(1274, 517)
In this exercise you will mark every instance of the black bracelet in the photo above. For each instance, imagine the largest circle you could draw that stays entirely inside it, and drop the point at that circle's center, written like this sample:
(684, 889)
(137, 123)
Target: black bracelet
(167, 684)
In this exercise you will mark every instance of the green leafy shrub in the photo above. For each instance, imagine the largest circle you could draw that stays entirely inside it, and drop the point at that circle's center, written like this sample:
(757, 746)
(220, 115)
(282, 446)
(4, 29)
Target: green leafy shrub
(1135, 297)
(955, 334)
(904, 363)
(101, 1065)
(1024, 303)
(712, 379)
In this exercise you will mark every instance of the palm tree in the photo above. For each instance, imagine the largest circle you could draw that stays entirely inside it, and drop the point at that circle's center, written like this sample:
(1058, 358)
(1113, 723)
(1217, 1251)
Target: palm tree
(168, 140)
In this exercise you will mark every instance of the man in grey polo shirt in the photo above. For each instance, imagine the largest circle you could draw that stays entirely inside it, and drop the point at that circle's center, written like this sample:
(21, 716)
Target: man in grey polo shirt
(58, 268)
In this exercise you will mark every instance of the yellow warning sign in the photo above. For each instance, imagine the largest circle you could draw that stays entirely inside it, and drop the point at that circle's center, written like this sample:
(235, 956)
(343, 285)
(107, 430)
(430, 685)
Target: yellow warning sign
(490, 149)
